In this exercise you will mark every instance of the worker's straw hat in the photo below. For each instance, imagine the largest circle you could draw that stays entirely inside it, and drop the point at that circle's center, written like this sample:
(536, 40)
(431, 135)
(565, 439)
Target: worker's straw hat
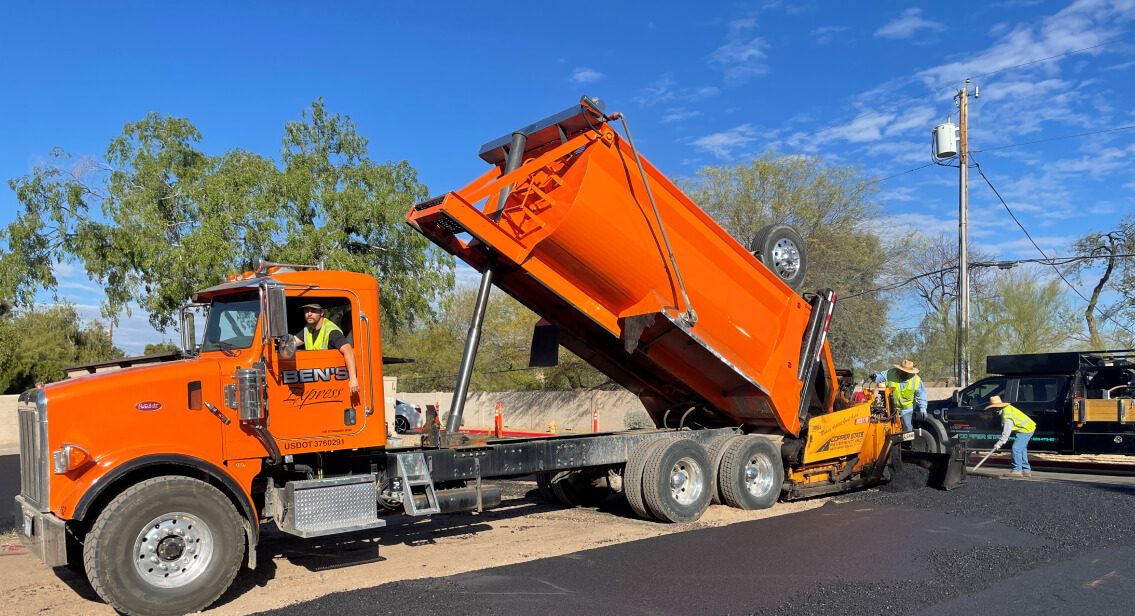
(996, 403)
(907, 366)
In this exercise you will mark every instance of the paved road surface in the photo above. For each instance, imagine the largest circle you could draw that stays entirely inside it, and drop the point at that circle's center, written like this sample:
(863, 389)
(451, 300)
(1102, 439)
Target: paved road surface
(992, 546)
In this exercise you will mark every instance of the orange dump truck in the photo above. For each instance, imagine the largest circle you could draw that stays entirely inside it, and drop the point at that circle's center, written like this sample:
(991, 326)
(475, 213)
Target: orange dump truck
(156, 479)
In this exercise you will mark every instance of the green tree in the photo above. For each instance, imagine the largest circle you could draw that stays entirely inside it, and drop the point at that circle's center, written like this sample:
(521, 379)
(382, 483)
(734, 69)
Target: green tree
(934, 289)
(168, 346)
(157, 218)
(831, 207)
(1028, 314)
(1020, 312)
(37, 346)
(502, 358)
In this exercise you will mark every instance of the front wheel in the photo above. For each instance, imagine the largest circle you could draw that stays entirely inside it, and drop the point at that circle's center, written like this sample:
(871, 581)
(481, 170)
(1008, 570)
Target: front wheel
(168, 545)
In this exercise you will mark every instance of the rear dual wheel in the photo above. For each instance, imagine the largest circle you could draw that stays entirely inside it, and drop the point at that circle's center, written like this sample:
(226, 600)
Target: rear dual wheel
(670, 480)
(751, 474)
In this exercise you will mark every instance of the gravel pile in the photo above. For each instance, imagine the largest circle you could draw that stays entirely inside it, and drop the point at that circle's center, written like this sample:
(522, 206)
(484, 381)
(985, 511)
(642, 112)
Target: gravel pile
(1072, 518)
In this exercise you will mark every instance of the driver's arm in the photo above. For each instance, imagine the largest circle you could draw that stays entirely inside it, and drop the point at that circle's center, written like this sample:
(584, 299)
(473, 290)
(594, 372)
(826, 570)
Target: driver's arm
(349, 357)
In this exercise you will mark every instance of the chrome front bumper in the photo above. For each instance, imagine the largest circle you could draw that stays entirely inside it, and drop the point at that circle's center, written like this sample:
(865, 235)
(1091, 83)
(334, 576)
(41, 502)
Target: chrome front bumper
(42, 533)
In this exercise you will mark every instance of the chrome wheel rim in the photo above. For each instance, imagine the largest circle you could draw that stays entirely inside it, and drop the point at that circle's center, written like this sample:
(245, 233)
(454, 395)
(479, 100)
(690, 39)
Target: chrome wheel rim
(686, 481)
(758, 476)
(786, 257)
(173, 550)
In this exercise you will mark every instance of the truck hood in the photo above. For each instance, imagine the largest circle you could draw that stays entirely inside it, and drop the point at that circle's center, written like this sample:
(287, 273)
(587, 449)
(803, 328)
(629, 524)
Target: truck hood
(146, 388)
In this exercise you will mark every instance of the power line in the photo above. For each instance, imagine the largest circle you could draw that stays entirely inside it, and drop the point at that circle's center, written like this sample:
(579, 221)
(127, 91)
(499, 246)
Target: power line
(1041, 251)
(1005, 264)
(1024, 143)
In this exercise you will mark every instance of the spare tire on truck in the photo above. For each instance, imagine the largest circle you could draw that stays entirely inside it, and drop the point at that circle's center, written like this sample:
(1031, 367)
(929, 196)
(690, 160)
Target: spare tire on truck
(781, 249)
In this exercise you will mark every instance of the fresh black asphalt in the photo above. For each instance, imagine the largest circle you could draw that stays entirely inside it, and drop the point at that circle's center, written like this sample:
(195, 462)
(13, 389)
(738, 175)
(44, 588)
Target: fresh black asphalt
(991, 546)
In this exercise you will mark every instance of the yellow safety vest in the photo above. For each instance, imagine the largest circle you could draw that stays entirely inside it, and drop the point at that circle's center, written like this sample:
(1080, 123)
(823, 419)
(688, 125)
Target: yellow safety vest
(320, 342)
(905, 391)
(1021, 422)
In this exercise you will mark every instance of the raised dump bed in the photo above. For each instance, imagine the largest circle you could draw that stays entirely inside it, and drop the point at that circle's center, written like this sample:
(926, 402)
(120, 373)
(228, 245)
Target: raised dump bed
(579, 242)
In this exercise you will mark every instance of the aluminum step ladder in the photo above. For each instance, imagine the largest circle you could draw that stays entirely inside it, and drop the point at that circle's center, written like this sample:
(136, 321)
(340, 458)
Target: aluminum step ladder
(414, 471)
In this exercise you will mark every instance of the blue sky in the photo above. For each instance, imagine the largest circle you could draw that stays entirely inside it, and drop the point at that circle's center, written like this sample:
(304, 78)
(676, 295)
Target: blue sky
(700, 83)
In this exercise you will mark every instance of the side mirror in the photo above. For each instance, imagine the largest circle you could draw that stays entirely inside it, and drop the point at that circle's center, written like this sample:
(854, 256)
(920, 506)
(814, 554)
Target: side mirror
(277, 312)
(956, 397)
(286, 346)
(188, 332)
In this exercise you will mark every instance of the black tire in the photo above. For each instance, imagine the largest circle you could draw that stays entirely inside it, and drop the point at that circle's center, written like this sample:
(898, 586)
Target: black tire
(751, 474)
(926, 442)
(781, 249)
(192, 526)
(716, 451)
(677, 482)
(544, 485)
(575, 488)
(632, 476)
(401, 424)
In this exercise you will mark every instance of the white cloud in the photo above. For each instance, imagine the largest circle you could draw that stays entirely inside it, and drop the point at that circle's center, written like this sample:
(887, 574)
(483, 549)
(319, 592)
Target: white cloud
(722, 145)
(741, 59)
(679, 114)
(666, 90)
(586, 75)
(908, 25)
(1083, 24)
(826, 34)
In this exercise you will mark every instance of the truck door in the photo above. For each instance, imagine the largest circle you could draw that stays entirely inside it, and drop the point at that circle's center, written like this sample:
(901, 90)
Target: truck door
(309, 397)
(969, 420)
(1042, 398)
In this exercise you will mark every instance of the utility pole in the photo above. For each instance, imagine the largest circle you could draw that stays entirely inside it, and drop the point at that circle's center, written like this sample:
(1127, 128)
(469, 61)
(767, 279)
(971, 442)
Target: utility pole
(963, 234)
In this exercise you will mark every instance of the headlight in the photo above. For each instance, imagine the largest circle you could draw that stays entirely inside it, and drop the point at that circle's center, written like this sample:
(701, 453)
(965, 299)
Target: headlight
(69, 457)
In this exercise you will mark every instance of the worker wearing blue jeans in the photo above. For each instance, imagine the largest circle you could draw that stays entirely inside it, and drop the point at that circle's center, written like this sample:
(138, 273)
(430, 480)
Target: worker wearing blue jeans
(1013, 420)
(909, 391)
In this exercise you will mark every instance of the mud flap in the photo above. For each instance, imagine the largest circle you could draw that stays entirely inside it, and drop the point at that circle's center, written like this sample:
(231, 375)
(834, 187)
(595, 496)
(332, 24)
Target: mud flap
(947, 470)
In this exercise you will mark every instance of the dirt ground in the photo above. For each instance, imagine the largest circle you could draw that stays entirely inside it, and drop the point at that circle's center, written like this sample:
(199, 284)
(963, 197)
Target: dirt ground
(290, 570)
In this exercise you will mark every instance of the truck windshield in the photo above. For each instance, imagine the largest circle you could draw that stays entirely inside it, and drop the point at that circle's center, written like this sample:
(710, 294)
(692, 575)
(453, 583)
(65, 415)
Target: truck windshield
(232, 322)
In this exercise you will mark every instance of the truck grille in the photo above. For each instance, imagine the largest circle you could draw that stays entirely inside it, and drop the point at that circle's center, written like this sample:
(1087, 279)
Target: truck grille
(34, 477)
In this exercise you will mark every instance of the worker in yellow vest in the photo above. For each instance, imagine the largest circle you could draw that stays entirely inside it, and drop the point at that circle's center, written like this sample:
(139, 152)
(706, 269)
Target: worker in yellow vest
(909, 391)
(320, 334)
(1013, 420)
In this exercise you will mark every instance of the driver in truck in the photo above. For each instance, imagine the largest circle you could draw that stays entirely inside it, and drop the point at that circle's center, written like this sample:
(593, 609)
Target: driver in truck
(320, 334)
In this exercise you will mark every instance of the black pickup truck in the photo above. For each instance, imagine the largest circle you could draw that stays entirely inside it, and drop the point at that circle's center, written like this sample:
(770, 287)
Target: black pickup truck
(1081, 402)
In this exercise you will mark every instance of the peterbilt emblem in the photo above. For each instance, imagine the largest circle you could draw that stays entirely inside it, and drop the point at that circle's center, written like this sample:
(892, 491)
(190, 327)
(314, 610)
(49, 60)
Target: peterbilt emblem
(315, 375)
(148, 405)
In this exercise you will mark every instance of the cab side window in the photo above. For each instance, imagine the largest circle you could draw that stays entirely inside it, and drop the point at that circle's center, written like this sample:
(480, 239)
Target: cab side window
(979, 393)
(1038, 389)
(337, 310)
